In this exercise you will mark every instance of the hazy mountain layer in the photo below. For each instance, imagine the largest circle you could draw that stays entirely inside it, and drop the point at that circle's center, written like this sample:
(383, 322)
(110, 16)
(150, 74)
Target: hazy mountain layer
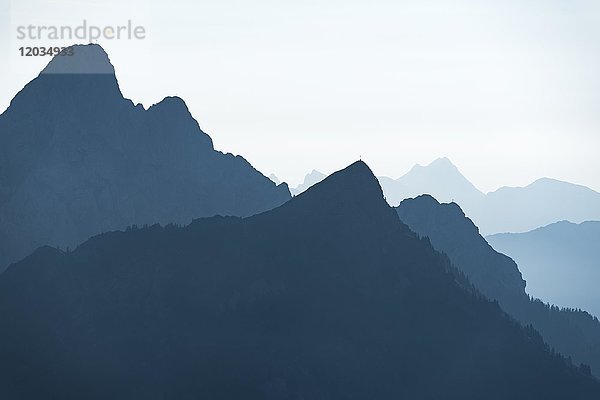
(329, 296)
(571, 332)
(77, 159)
(561, 262)
(507, 209)
(441, 179)
(310, 179)
(543, 202)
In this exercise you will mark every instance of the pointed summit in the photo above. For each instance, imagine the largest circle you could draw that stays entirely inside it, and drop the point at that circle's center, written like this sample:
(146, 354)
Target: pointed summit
(81, 59)
(355, 180)
(440, 179)
(439, 165)
(442, 162)
(78, 159)
(350, 198)
(81, 77)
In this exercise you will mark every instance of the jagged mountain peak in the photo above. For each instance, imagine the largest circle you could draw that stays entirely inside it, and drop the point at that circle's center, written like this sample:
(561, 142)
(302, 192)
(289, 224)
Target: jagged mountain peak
(84, 80)
(310, 179)
(440, 168)
(441, 179)
(78, 159)
(440, 162)
(313, 173)
(81, 59)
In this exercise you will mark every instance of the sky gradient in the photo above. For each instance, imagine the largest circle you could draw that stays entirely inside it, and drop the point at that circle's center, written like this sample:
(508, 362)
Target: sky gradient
(508, 91)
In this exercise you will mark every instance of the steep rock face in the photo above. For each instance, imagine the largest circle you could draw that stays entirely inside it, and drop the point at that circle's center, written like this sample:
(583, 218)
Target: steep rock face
(77, 159)
(571, 332)
(328, 296)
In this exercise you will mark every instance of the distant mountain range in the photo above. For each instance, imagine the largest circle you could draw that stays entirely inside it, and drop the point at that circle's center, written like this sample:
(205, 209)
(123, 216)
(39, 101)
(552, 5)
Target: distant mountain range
(570, 332)
(560, 261)
(77, 159)
(507, 209)
(275, 179)
(319, 298)
(441, 179)
(310, 179)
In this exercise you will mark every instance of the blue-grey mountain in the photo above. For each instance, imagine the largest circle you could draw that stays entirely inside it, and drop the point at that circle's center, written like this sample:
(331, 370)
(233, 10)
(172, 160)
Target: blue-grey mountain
(440, 179)
(545, 201)
(560, 261)
(508, 209)
(328, 296)
(310, 179)
(77, 159)
(571, 332)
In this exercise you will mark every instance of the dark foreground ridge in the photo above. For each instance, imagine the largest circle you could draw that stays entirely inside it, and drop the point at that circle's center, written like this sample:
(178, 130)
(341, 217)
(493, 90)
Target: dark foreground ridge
(328, 296)
(77, 159)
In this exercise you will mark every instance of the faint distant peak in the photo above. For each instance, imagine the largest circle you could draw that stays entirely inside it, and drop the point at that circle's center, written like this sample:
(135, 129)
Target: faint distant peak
(441, 170)
(557, 182)
(310, 179)
(564, 222)
(564, 225)
(313, 177)
(442, 164)
(275, 179)
(549, 181)
(546, 183)
(81, 59)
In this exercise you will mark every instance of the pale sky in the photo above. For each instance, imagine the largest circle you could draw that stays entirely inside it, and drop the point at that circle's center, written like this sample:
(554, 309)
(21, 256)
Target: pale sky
(508, 90)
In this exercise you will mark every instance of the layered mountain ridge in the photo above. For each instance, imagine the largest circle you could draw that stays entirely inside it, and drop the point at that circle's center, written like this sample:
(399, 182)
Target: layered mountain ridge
(78, 159)
(572, 332)
(508, 209)
(561, 262)
(310, 179)
(327, 296)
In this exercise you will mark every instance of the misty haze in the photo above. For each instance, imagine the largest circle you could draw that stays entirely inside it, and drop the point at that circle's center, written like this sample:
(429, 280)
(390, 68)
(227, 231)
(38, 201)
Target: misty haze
(359, 200)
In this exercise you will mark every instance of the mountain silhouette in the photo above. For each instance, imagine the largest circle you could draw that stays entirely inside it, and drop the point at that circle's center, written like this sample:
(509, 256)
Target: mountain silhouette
(310, 179)
(451, 232)
(440, 179)
(571, 332)
(561, 262)
(78, 159)
(508, 209)
(327, 296)
(541, 203)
